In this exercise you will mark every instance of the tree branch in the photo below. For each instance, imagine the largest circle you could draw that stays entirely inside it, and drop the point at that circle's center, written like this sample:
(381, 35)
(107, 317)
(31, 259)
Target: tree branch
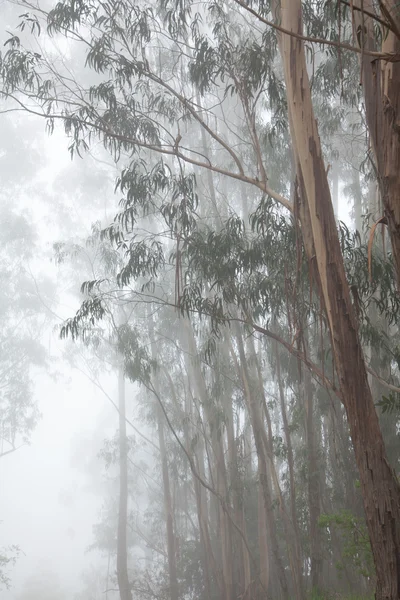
(169, 151)
(389, 56)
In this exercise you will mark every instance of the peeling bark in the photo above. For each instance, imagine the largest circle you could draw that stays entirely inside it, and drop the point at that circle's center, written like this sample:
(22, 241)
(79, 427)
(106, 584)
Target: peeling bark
(380, 488)
(381, 84)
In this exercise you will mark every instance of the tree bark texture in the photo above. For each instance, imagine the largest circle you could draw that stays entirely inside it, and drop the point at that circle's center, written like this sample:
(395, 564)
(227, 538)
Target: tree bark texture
(381, 85)
(380, 488)
(313, 488)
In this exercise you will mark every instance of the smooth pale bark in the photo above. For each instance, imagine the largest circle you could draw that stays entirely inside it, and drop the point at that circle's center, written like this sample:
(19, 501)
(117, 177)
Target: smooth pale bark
(357, 201)
(335, 188)
(218, 468)
(168, 502)
(380, 488)
(244, 570)
(387, 422)
(292, 533)
(168, 507)
(216, 459)
(122, 551)
(245, 558)
(210, 565)
(253, 406)
(242, 566)
(208, 561)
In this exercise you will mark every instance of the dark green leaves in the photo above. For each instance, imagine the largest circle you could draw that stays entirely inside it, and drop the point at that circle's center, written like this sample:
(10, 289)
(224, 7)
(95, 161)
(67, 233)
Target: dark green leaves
(137, 362)
(143, 260)
(89, 314)
(390, 404)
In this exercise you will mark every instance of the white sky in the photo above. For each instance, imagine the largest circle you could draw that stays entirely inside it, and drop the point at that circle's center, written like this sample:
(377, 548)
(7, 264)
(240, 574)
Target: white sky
(45, 505)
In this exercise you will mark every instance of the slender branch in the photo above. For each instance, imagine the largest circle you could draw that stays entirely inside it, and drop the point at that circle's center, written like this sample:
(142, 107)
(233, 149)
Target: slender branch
(300, 355)
(170, 151)
(196, 116)
(100, 387)
(368, 14)
(386, 384)
(389, 56)
(13, 449)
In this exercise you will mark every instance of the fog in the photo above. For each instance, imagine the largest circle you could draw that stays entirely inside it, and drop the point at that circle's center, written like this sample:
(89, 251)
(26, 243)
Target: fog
(199, 307)
(49, 497)
(46, 505)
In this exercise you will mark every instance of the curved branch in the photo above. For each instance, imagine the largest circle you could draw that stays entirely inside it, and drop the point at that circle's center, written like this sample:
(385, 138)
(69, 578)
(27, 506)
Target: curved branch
(196, 116)
(170, 151)
(324, 380)
(382, 381)
(369, 14)
(13, 449)
(388, 56)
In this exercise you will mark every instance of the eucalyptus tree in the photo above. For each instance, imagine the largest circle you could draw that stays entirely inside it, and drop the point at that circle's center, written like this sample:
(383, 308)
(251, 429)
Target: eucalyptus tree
(23, 319)
(379, 31)
(108, 342)
(147, 103)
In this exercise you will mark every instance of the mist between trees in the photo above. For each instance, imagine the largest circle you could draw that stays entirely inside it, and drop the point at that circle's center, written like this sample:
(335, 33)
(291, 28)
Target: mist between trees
(249, 333)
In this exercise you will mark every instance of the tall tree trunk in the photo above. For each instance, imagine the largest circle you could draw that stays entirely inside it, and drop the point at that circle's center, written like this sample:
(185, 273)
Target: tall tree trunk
(292, 542)
(168, 502)
(242, 567)
(217, 458)
(381, 84)
(253, 406)
(263, 542)
(168, 506)
(122, 551)
(380, 488)
(313, 487)
(292, 492)
(357, 200)
(335, 188)
(387, 422)
(208, 562)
